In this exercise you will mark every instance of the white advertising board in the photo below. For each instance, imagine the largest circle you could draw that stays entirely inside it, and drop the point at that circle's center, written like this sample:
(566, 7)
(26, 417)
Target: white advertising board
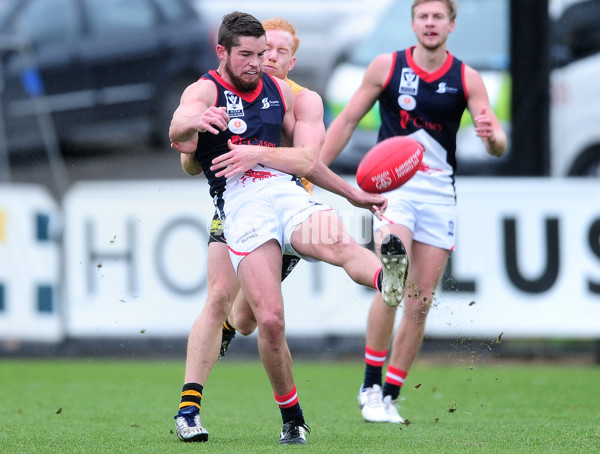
(29, 265)
(526, 264)
(530, 251)
(135, 257)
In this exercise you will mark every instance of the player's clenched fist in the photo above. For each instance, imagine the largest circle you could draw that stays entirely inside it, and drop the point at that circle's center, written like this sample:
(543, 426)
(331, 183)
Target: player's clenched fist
(213, 120)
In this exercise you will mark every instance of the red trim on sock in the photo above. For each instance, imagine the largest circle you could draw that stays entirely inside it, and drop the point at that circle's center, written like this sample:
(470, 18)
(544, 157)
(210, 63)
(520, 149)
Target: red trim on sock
(375, 358)
(376, 279)
(395, 376)
(289, 400)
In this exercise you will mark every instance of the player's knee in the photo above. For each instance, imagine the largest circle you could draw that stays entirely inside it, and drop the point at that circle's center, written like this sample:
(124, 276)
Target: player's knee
(272, 327)
(245, 327)
(215, 310)
(416, 309)
(343, 249)
(220, 299)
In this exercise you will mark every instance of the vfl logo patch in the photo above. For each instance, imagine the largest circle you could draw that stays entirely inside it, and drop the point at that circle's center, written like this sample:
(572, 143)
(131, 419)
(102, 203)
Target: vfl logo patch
(409, 82)
(235, 108)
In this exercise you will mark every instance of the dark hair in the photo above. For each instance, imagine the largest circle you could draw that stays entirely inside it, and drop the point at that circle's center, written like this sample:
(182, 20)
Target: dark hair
(238, 24)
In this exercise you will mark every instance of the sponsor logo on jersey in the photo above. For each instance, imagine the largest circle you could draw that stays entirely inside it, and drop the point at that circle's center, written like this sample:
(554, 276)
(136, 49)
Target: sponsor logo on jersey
(406, 120)
(444, 88)
(238, 140)
(407, 102)
(237, 126)
(266, 103)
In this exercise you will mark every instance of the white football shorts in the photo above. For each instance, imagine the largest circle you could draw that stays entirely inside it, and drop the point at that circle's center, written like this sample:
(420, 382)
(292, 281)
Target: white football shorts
(431, 223)
(264, 212)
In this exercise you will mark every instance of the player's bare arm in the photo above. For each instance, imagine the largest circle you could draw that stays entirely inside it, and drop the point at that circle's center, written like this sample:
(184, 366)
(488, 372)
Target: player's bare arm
(325, 178)
(188, 147)
(190, 164)
(310, 131)
(197, 113)
(187, 151)
(341, 129)
(487, 126)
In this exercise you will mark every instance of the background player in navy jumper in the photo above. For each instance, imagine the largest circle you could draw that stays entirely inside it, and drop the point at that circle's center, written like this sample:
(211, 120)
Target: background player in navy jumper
(233, 113)
(422, 92)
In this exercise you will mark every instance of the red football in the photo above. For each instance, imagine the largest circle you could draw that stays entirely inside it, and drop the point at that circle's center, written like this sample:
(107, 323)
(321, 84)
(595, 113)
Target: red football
(389, 164)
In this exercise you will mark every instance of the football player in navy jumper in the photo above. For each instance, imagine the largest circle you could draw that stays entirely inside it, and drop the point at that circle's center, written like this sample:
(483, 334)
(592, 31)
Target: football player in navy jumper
(238, 115)
(422, 93)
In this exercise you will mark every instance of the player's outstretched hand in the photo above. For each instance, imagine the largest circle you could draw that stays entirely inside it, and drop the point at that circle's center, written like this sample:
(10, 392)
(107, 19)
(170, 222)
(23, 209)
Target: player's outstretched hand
(375, 203)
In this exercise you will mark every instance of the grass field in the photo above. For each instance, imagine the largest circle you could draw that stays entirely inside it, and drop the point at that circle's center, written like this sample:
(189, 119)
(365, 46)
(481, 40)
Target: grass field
(93, 406)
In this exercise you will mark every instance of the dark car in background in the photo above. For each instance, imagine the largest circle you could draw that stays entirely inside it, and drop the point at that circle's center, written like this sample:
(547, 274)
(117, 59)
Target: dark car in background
(98, 72)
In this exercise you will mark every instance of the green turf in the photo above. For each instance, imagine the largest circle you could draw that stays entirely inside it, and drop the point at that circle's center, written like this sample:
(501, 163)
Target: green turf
(89, 406)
